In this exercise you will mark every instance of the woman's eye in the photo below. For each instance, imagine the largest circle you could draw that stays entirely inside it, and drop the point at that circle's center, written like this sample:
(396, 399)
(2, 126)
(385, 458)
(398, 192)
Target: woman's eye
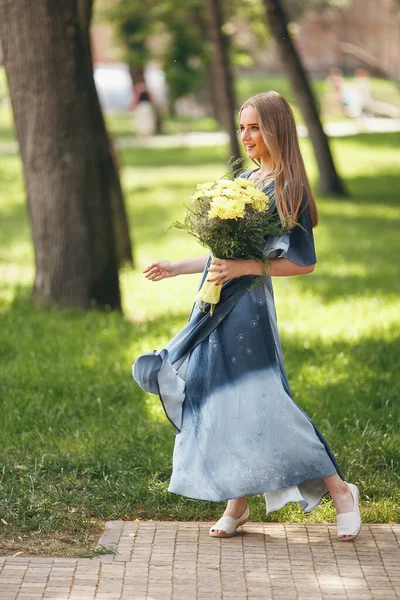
(255, 128)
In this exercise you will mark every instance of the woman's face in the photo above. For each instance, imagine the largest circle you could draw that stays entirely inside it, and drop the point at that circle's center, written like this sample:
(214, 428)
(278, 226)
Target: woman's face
(250, 134)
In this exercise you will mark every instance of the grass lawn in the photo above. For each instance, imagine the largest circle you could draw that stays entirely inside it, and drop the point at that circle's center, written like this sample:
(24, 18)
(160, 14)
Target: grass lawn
(80, 443)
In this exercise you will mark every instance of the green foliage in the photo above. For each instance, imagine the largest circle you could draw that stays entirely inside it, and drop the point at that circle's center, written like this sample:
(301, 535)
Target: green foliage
(134, 23)
(186, 57)
(184, 53)
(79, 441)
(245, 20)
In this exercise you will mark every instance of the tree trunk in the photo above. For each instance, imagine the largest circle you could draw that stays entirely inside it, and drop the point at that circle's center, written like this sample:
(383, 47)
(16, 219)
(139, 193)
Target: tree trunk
(64, 151)
(119, 217)
(224, 97)
(330, 182)
(85, 11)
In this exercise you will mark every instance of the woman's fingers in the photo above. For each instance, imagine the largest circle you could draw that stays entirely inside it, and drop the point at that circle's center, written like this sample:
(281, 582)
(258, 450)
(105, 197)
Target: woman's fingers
(157, 278)
(222, 276)
(221, 280)
(154, 274)
(150, 267)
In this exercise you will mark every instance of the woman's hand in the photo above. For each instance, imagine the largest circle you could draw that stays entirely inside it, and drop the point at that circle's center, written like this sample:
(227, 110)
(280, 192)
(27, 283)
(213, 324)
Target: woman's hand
(160, 270)
(277, 267)
(222, 270)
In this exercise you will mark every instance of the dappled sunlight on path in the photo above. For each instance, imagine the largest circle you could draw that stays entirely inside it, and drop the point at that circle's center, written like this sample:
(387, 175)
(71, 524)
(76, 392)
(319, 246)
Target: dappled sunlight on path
(178, 560)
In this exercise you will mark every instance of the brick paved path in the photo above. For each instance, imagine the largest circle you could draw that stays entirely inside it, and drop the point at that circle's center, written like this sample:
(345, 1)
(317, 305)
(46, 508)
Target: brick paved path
(179, 561)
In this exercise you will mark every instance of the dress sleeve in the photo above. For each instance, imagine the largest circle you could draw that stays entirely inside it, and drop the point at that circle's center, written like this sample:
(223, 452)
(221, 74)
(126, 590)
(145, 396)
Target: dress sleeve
(296, 245)
(246, 174)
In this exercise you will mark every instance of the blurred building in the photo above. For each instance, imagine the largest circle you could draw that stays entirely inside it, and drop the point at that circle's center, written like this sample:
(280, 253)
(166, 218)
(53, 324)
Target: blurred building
(366, 34)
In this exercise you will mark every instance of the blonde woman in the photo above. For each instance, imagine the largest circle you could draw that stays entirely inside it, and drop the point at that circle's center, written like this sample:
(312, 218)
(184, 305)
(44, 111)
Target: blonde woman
(222, 380)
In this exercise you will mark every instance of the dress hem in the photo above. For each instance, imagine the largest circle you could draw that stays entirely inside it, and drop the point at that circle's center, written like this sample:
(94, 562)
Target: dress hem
(265, 492)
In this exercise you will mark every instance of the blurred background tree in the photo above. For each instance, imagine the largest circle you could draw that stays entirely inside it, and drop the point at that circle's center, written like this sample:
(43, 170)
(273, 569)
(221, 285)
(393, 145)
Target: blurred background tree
(120, 224)
(222, 75)
(73, 191)
(329, 180)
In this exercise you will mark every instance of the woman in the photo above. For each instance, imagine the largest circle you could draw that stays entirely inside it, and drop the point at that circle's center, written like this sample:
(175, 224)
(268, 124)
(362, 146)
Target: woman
(222, 380)
(145, 118)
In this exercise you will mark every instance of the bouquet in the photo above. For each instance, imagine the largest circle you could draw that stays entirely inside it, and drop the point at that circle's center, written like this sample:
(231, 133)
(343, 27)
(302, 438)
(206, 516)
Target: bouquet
(231, 217)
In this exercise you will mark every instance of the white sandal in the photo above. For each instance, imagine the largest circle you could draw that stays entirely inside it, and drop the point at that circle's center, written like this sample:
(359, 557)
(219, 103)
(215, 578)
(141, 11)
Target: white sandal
(229, 525)
(349, 523)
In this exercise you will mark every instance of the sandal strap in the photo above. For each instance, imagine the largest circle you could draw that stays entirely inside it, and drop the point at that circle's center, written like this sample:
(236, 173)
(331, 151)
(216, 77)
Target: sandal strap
(227, 524)
(348, 523)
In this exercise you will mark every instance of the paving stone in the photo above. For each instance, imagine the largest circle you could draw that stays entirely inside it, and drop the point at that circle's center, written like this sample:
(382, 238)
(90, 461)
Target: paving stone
(179, 561)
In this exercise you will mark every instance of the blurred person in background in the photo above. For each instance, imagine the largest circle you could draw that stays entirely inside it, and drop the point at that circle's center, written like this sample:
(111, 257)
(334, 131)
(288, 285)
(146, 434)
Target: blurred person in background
(144, 115)
(334, 96)
(359, 102)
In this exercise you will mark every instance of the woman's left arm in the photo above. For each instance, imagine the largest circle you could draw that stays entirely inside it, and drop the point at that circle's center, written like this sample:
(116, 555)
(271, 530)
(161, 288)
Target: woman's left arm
(222, 270)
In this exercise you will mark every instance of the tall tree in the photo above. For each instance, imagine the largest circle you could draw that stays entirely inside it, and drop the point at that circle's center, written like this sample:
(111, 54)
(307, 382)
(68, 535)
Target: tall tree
(222, 74)
(184, 52)
(65, 152)
(134, 21)
(122, 238)
(330, 182)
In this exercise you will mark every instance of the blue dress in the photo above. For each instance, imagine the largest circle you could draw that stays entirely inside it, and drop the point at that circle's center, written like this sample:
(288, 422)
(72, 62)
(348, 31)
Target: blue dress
(223, 386)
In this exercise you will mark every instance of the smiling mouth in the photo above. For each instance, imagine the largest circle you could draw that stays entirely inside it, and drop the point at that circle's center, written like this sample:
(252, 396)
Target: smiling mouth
(249, 147)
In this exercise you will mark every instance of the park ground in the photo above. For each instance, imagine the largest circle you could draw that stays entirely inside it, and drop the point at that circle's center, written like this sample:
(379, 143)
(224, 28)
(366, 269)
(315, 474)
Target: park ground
(167, 560)
(81, 444)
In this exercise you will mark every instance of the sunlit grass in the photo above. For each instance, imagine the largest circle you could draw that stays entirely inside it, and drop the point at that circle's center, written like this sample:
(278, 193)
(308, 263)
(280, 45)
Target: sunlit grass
(81, 443)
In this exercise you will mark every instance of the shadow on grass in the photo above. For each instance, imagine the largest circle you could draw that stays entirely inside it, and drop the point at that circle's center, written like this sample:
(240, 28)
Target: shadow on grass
(72, 363)
(375, 190)
(363, 252)
(362, 246)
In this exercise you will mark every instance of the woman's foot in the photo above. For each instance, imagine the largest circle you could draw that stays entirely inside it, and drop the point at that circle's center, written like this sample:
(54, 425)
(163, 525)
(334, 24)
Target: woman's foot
(349, 521)
(236, 509)
(345, 498)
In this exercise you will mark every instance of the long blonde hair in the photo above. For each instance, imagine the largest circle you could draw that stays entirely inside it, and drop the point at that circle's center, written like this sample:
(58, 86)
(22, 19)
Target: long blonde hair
(278, 129)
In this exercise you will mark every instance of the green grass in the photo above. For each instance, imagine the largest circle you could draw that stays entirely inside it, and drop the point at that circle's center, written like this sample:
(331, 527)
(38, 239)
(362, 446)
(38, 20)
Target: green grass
(80, 443)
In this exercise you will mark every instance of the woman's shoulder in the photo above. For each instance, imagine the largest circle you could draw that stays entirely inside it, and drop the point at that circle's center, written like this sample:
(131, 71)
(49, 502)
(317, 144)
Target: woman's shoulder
(246, 174)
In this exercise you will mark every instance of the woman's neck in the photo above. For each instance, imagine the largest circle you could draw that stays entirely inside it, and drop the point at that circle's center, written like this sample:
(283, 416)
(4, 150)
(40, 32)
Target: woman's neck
(266, 167)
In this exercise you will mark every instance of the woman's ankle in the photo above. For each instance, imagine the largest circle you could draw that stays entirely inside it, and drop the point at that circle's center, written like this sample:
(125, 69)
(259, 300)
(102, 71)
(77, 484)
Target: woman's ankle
(236, 504)
(241, 500)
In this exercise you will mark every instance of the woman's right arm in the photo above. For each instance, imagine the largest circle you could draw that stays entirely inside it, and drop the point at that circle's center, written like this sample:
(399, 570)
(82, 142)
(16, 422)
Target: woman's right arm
(164, 268)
